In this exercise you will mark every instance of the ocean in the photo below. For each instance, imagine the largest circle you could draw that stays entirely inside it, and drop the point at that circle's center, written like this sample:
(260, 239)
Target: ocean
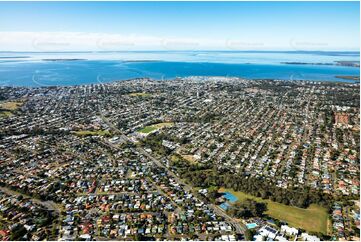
(76, 68)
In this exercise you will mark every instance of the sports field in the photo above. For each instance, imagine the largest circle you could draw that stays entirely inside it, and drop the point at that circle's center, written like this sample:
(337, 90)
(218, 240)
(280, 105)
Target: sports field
(153, 127)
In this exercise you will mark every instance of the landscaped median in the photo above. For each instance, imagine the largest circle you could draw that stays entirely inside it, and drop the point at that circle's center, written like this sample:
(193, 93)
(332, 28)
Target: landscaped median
(314, 218)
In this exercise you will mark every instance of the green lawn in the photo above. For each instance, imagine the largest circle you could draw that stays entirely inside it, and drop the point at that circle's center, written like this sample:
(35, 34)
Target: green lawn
(151, 128)
(6, 114)
(314, 218)
(92, 133)
(147, 129)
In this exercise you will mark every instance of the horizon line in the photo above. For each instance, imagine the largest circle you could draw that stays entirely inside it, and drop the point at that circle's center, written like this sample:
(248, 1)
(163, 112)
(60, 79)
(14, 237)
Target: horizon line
(220, 50)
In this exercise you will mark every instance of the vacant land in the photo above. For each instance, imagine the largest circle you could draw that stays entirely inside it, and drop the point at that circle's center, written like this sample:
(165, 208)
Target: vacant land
(314, 218)
(153, 127)
(93, 133)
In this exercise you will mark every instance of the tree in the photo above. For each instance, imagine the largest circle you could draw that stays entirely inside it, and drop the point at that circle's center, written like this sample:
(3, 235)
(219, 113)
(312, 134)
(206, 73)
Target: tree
(249, 234)
(248, 208)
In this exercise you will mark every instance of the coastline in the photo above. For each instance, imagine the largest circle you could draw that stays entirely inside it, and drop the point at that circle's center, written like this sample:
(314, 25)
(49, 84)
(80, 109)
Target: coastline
(346, 80)
(80, 68)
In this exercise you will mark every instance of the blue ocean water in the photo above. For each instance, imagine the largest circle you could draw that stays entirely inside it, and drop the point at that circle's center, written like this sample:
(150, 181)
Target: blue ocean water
(34, 69)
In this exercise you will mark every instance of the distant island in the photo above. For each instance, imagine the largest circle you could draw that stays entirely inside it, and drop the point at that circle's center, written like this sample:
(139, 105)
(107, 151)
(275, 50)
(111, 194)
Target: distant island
(13, 57)
(354, 78)
(63, 59)
(348, 63)
(129, 61)
(336, 63)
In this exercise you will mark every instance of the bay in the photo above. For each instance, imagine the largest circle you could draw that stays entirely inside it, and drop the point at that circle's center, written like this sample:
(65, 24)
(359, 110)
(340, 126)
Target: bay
(44, 69)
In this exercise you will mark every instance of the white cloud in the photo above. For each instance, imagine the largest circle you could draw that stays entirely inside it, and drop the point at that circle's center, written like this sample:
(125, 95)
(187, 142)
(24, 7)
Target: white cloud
(71, 41)
(81, 41)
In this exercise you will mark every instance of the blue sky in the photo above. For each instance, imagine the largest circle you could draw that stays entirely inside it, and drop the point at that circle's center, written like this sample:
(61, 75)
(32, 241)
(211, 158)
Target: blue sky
(179, 25)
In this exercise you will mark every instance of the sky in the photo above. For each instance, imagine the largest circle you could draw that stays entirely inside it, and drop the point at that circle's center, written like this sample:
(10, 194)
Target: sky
(108, 26)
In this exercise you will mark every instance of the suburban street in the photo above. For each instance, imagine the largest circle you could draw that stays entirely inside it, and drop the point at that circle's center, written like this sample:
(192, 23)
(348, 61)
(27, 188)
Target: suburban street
(187, 187)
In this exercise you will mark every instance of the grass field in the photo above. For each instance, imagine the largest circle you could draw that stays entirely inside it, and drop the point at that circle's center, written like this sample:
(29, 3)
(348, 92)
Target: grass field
(11, 106)
(151, 128)
(6, 114)
(139, 94)
(7, 108)
(190, 158)
(92, 133)
(314, 218)
(147, 129)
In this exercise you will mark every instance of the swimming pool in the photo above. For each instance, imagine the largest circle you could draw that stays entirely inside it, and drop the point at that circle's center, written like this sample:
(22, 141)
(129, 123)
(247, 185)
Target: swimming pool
(251, 226)
(224, 206)
(230, 197)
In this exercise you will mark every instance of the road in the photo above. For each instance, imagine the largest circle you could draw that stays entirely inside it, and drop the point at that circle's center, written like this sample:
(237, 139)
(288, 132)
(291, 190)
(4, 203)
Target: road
(239, 229)
(49, 205)
(189, 189)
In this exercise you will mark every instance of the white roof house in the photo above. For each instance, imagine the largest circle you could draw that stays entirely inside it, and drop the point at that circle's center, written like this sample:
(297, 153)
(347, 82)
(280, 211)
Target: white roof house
(289, 230)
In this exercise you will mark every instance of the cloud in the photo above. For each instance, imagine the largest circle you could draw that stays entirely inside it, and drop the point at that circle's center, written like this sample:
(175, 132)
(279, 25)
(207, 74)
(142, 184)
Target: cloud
(69, 41)
(82, 41)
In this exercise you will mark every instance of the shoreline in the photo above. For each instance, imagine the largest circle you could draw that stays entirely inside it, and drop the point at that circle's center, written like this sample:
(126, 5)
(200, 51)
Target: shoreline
(343, 80)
